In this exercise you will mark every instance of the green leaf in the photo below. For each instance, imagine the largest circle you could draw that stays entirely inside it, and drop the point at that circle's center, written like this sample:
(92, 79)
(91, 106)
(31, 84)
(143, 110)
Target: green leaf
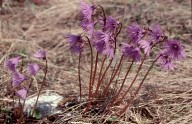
(113, 118)
(37, 114)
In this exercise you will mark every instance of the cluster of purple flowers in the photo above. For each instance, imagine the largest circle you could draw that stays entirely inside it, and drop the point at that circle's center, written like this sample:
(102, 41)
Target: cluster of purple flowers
(102, 40)
(101, 33)
(141, 39)
(18, 77)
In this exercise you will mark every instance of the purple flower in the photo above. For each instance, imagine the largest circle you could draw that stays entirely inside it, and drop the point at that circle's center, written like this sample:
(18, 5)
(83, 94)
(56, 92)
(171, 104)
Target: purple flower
(102, 44)
(99, 45)
(168, 66)
(22, 93)
(131, 52)
(174, 49)
(17, 79)
(102, 36)
(146, 45)
(76, 49)
(76, 43)
(89, 28)
(87, 10)
(111, 24)
(33, 69)
(40, 54)
(156, 33)
(12, 63)
(73, 39)
(109, 51)
(135, 32)
(166, 62)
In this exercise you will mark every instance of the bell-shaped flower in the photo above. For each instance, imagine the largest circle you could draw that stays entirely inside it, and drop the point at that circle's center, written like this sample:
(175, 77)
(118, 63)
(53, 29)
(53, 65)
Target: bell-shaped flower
(87, 10)
(174, 49)
(33, 69)
(11, 64)
(165, 61)
(17, 79)
(40, 54)
(111, 24)
(76, 43)
(156, 33)
(109, 51)
(22, 93)
(135, 33)
(131, 52)
(146, 45)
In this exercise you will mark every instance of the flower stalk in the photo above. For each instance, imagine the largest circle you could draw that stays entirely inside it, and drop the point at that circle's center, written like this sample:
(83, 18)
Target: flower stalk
(41, 87)
(137, 90)
(111, 79)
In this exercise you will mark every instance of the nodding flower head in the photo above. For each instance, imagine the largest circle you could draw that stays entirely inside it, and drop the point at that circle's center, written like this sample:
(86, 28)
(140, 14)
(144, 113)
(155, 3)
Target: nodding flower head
(22, 93)
(11, 64)
(40, 54)
(102, 43)
(87, 11)
(109, 51)
(88, 27)
(165, 61)
(174, 49)
(76, 43)
(146, 45)
(102, 36)
(17, 79)
(156, 33)
(131, 52)
(99, 45)
(111, 24)
(135, 32)
(33, 69)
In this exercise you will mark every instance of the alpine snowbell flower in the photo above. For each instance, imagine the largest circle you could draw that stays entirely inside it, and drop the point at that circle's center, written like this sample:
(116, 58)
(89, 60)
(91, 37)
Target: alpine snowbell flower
(109, 51)
(22, 93)
(135, 33)
(40, 54)
(87, 11)
(166, 61)
(111, 24)
(102, 36)
(146, 45)
(17, 79)
(131, 52)
(90, 28)
(174, 49)
(99, 45)
(33, 69)
(156, 33)
(12, 63)
(76, 43)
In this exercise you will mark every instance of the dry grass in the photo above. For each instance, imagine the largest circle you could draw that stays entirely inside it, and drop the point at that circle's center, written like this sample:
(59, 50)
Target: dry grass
(166, 97)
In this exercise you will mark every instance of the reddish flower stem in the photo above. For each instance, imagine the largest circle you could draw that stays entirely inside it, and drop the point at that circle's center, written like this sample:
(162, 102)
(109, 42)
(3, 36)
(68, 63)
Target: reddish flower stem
(101, 80)
(116, 97)
(41, 87)
(90, 85)
(99, 83)
(79, 66)
(95, 70)
(111, 79)
(136, 92)
(127, 91)
(90, 81)
(115, 84)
